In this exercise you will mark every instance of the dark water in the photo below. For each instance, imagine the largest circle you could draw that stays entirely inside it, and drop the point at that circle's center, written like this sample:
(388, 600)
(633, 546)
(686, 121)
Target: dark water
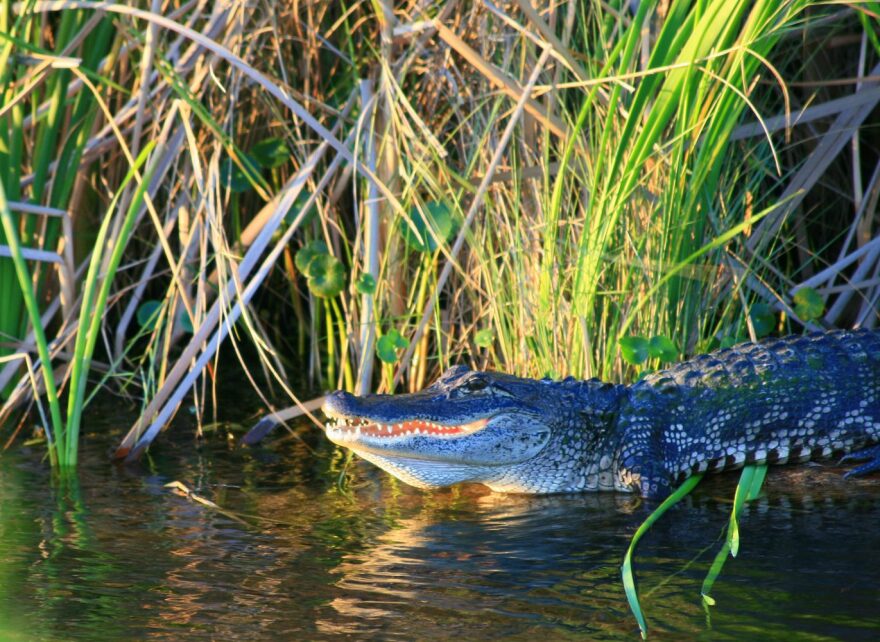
(114, 554)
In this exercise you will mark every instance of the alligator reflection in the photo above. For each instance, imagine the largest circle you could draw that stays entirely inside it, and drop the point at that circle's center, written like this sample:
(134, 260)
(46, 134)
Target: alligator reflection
(473, 562)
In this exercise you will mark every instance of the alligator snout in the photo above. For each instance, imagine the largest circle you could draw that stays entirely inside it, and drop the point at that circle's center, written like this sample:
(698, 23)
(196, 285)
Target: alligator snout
(337, 401)
(341, 403)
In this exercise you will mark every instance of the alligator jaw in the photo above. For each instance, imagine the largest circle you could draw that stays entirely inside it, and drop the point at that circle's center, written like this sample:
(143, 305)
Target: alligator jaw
(363, 430)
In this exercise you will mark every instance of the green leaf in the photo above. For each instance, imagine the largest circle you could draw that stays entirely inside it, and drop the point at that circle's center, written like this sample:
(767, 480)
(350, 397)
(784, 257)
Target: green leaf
(385, 349)
(662, 348)
(739, 500)
(399, 340)
(270, 153)
(235, 177)
(808, 304)
(712, 575)
(294, 210)
(388, 345)
(366, 284)
(763, 319)
(326, 276)
(484, 338)
(308, 252)
(749, 487)
(634, 349)
(730, 341)
(186, 322)
(147, 314)
(629, 582)
(435, 214)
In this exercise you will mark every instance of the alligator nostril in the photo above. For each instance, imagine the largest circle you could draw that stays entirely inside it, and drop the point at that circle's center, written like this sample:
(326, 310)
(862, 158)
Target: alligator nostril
(336, 400)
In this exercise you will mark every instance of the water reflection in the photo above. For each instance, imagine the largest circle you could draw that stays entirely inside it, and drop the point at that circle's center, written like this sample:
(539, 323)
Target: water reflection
(113, 554)
(470, 563)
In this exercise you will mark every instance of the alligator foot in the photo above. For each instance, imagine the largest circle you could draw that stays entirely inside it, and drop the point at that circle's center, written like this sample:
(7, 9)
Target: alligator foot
(871, 455)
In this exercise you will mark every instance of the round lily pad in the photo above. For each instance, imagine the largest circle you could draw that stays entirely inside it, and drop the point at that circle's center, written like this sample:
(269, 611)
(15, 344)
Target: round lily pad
(808, 304)
(185, 322)
(270, 153)
(308, 252)
(435, 214)
(731, 340)
(234, 176)
(484, 338)
(366, 284)
(634, 349)
(147, 314)
(388, 345)
(763, 319)
(297, 206)
(326, 275)
(662, 348)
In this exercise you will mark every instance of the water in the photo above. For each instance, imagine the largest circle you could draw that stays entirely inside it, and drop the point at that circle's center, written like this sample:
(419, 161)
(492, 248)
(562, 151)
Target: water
(114, 554)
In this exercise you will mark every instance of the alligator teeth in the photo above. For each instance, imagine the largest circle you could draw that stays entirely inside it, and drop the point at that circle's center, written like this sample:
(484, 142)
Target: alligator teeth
(348, 429)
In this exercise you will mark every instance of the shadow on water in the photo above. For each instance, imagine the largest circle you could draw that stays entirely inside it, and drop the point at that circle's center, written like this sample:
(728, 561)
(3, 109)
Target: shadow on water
(114, 554)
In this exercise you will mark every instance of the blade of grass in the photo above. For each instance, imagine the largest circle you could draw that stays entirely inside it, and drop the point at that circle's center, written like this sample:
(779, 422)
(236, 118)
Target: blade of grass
(263, 81)
(715, 243)
(475, 205)
(371, 240)
(626, 570)
(94, 299)
(748, 488)
(839, 133)
(497, 78)
(177, 385)
(25, 284)
(159, 404)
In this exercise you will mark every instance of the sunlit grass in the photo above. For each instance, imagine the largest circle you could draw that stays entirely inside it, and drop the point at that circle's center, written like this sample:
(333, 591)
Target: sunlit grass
(618, 207)
(629, 582)
(369, 193)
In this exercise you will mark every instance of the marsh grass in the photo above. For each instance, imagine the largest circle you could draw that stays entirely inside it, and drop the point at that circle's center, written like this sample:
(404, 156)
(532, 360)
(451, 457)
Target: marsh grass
(627, 202)
(367, 193)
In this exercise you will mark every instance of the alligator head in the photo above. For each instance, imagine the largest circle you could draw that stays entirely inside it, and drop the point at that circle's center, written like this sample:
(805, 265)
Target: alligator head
(509, 433)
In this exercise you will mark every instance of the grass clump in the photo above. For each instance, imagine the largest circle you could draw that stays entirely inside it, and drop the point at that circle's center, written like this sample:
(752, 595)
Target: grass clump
(629, 200)
(370, 192)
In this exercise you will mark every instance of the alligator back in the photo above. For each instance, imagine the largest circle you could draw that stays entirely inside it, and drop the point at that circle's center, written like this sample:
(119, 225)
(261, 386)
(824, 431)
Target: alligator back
(782, 400)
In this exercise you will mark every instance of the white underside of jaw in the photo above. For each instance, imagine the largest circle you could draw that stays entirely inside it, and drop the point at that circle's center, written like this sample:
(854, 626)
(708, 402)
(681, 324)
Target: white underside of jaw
(422, 473)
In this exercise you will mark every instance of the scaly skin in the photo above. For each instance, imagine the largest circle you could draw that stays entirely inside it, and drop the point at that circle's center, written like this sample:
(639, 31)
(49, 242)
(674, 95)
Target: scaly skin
(781, 401)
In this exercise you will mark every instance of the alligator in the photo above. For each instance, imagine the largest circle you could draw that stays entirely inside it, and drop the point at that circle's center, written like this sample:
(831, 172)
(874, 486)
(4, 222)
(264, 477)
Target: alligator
(786, 400)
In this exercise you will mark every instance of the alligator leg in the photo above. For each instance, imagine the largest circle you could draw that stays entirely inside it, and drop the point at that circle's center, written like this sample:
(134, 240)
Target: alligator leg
(642, 465)
(871, 455)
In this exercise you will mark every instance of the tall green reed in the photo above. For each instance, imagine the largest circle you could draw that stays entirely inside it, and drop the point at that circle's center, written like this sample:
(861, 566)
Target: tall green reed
(50, 139)
(45, 125)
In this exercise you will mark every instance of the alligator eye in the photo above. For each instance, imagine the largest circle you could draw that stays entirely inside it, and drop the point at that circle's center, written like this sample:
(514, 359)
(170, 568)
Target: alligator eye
(475, 384)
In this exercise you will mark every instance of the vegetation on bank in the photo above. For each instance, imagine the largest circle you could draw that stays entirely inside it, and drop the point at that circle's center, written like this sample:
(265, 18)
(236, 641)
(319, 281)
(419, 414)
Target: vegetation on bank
(370, 192)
